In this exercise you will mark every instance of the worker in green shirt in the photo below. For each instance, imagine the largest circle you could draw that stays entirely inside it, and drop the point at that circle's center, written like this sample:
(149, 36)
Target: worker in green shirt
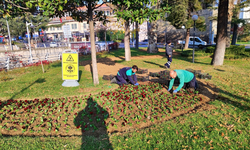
(185, 77)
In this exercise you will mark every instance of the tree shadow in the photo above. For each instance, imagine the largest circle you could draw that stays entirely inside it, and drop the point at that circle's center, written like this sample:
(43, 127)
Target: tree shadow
(40, 80)
(91, 121)
(149, 62)
(212, 93)
(80, 75)
(188, 59)
(219, 70)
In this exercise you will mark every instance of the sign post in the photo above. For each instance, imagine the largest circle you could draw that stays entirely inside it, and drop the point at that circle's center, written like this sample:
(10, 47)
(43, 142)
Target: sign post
(70, 68)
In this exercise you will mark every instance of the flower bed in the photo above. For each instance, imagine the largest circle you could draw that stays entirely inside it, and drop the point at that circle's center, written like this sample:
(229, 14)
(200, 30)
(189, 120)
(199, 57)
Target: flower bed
(126, 108)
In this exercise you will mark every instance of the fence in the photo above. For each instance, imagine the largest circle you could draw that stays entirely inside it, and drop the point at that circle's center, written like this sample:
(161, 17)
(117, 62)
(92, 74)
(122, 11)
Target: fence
(11, 60)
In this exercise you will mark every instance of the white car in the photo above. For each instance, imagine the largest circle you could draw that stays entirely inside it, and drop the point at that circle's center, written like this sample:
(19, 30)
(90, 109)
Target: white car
(196, 41)
(102, 45)
(53, 44)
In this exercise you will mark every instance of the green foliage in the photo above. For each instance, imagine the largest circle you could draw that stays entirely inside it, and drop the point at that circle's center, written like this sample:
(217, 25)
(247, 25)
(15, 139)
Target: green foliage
(180, 13)
(138, 10)
(210, 49)
(232, 52)
(17, 25)
(198, 53)
(111, 35)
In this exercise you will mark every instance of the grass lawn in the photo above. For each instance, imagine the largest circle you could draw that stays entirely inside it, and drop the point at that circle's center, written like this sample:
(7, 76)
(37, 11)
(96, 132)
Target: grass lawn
(226, 126)
(242, 42)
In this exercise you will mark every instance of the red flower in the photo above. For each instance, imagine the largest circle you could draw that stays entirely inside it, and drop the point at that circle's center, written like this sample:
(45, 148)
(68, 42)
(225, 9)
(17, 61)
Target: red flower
(200, 99)
(78, 127)
(86, 126)
(103, 111)
(23, 127)
(175, 97)
(136, 102)
(75, 113)
(91, 112)
(124, 104)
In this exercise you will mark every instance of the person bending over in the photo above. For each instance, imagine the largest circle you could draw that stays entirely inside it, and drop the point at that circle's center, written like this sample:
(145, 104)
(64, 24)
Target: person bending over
(126, 76)
(185, 77)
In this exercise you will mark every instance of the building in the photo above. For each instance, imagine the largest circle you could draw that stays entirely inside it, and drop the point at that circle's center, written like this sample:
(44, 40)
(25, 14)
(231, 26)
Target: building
(79, 30)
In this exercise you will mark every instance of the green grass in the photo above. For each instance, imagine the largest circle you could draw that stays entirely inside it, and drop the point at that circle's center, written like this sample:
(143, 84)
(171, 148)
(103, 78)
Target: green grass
(30, 83)
(226, 126)
(242, 42)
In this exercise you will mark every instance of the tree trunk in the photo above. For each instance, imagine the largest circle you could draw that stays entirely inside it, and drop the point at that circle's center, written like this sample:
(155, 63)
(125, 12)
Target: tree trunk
(230, 14)
(137, 35)
(187, 39)
(221, 37)
(126, 42)
(92, 41)
(152, 38)
(235, 25)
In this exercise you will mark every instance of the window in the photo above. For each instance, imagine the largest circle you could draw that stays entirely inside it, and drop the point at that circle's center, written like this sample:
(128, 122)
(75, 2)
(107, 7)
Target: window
(74, 26)
(59, 28)
(107, 13)
(84, 25)
(197, 40)
(50, 29)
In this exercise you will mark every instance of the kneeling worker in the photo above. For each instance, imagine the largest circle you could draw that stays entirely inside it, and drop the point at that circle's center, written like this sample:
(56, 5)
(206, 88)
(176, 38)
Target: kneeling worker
(124, 76)
(185, 77)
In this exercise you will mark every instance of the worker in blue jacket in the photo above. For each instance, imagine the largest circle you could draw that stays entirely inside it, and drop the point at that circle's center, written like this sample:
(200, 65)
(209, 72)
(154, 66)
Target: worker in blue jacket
(126, 76)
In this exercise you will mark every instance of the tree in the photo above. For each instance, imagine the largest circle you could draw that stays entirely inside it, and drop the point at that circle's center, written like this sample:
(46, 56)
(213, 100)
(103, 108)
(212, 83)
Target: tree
(235, 18)
(221, 37)
(59, 8)
(181, 14)
(137, 10)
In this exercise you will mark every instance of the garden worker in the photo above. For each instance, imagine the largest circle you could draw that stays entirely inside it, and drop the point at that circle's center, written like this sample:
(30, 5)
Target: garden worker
(124, 76)
(185, 77)
(169, 53)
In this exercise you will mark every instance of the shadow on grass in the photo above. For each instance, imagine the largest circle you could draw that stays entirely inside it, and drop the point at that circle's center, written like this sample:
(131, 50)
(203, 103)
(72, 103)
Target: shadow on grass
(149, 62)
(188, 59)
(80, 75)
(211, 92)
(40, 80)
(205, 89)
(91, 121)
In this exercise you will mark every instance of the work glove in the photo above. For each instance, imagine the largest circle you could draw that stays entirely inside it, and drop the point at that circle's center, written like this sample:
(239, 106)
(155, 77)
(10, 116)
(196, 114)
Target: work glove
(175, 91)
(137, 84)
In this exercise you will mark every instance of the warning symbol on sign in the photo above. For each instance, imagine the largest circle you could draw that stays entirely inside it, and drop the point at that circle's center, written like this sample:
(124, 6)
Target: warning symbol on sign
(70, 58)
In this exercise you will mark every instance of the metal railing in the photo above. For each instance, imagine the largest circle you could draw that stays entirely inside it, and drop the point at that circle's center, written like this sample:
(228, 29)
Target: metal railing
(11, 62)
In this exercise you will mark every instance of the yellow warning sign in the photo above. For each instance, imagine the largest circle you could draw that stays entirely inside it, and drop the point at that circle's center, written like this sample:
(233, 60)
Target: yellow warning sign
(70, 69)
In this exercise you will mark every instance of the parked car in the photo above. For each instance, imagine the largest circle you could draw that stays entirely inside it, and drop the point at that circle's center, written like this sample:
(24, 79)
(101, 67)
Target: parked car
(197, 42)
(53, 44)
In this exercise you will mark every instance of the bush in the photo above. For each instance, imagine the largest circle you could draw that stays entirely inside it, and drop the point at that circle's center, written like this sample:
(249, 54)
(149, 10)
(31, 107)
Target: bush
(197, 53)
(210, 49)
(233, 49)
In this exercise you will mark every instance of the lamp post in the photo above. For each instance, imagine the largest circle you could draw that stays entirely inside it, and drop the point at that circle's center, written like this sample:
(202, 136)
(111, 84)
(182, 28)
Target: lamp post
(183, 27)
(194, 18)
(9, 34)
(31, 25)
(148, 30)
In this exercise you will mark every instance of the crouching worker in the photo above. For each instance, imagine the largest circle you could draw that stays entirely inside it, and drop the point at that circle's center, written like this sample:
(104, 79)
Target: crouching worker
(126, 76)
(186, 78)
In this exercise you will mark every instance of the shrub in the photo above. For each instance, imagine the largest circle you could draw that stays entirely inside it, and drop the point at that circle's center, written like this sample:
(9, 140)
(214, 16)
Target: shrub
(235, 49)
(210, 49)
